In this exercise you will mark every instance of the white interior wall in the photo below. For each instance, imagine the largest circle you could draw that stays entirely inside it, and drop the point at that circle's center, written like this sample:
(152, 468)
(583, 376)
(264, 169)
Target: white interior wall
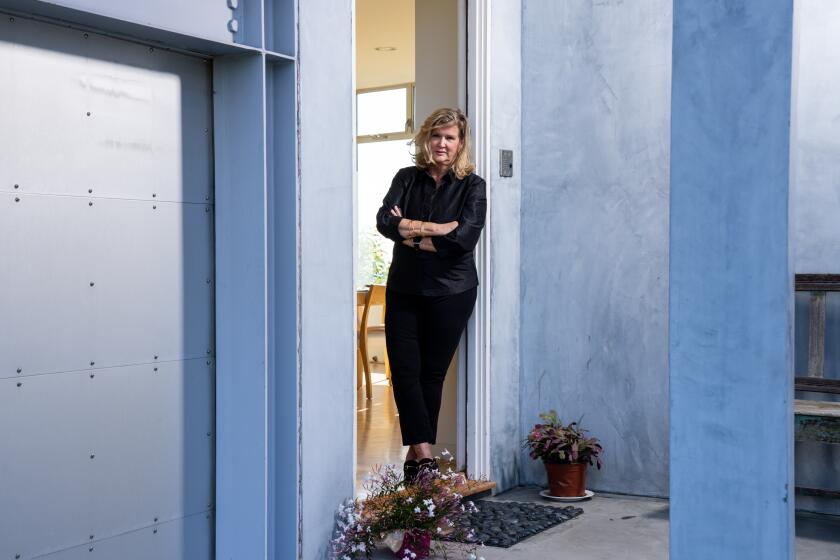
(436, 56)
(384, 23)
(436, 75)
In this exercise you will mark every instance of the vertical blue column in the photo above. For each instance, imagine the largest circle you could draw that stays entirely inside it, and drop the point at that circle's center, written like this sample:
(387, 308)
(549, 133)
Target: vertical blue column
(241, 307)
(731, 283)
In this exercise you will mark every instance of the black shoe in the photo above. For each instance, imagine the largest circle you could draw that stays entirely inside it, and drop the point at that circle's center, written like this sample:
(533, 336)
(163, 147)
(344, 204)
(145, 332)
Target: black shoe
(410, 470)
(429, 466)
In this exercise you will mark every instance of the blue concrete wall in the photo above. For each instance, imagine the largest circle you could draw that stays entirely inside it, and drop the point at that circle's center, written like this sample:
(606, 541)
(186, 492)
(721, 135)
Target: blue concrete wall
(731, 302)
(504, 195)
(594, 241)
(815, 155)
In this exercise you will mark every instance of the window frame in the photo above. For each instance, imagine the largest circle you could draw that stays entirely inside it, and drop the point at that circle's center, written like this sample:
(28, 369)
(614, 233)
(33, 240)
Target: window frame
(407, 133)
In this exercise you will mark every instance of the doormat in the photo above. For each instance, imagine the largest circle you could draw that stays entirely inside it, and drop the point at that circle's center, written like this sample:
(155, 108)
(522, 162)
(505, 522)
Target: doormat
(503, 524)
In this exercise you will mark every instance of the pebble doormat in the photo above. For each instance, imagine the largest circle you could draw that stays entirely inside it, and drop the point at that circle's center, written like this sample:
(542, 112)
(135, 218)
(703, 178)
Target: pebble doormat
(503, 524)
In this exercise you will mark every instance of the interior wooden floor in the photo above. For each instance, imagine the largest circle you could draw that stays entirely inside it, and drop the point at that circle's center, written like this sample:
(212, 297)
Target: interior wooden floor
(378, 436)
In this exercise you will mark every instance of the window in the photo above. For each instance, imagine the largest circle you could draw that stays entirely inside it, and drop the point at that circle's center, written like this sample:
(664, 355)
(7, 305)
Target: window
(385, 113)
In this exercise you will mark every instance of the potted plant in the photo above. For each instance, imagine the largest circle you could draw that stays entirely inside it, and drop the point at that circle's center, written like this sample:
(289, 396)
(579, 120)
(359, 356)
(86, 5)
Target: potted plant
(411, 519)
(566, 452)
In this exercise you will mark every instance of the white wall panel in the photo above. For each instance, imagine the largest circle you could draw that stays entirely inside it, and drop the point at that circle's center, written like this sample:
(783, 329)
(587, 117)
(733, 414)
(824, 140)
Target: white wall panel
(103, 451)
(201, 18)
(130, 121)
(149, 263)
(190, 537)
(106, 317)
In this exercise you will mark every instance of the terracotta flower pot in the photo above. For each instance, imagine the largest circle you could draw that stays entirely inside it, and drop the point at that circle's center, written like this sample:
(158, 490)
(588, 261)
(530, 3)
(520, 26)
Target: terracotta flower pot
(567, 480)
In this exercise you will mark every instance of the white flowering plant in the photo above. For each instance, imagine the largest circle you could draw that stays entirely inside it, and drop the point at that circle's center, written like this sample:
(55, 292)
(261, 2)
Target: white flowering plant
(410, 519)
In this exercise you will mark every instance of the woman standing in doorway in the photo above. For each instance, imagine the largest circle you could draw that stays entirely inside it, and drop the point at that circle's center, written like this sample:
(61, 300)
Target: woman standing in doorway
(434, 212)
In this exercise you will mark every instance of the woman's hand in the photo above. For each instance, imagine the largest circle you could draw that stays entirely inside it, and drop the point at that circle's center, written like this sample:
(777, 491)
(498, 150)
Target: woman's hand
(425, 244)
(443, 229)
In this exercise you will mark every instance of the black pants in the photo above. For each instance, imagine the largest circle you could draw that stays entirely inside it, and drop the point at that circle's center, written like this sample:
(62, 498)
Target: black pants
(422, 334)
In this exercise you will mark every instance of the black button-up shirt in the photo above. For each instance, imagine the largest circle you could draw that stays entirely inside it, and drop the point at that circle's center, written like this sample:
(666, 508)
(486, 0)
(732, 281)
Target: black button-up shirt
(451, 269)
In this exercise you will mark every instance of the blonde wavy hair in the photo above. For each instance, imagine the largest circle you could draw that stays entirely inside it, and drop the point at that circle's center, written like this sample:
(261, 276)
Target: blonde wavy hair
(441, 118)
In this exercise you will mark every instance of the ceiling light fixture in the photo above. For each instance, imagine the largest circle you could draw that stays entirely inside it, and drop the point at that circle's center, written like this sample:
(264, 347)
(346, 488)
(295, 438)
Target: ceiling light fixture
(385, 49)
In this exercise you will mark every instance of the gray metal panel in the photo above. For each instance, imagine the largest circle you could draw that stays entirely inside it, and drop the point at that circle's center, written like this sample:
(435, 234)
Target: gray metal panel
(200, 18)
(188, 538)
(149, 262)
(82, 111)
(146, 431)
(106, 315)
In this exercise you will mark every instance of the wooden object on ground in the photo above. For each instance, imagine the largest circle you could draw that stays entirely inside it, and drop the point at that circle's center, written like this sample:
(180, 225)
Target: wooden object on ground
(375, 296)
(817, 420)
(476, 487)
(465, 487)
(361, 296)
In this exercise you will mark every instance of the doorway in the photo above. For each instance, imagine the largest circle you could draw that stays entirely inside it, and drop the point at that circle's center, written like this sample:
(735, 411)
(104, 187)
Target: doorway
(410, 60)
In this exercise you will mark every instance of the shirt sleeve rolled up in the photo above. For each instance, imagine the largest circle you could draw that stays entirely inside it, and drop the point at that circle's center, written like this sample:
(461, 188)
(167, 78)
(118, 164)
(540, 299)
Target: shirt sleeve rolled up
(386, 223)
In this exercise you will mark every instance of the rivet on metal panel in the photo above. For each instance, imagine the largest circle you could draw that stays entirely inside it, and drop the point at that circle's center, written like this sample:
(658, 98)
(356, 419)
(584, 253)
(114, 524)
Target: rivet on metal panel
(154, 195)
(233, 4)
(16, 555)
(208, 351)
(90, 203)
(206, 130)
(92, 375)
(155, 369)
(154, 207)
(17, 186)
(156, 519)
(233, 26)
(19, 370)
(91, 284)
(154, 531)
(88, 113)
(92, 363)
(11, 19)
(155, 357)
(208, 434)
(207, 281)
(91, 537)
(206, 208)
(206, 198)
(208, 362)
(90, 549)
(85, 35)
(92, 455)
(17, 199)
(19, 384)
(151, 49)
(90, 191)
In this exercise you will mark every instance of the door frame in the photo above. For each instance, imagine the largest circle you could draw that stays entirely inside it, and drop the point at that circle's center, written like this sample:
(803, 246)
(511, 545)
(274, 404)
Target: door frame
(476, 360)
(472, 409)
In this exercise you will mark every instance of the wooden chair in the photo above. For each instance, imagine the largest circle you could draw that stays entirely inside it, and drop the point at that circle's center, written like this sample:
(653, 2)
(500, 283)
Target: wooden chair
(375, 297)
(817, 420)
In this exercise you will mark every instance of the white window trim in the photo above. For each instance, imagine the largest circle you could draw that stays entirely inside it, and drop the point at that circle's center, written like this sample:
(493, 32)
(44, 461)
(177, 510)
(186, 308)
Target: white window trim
(408, 132)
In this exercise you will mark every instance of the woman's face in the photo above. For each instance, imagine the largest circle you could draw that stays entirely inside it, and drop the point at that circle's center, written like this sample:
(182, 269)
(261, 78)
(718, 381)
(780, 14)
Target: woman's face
(444, 143)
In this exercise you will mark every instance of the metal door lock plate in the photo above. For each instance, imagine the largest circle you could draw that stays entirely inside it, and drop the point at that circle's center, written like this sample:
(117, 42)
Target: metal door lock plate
(505, 163)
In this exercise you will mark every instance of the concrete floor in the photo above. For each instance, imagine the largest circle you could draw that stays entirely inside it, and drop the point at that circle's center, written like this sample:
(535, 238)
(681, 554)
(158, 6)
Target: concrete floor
(628, 528)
